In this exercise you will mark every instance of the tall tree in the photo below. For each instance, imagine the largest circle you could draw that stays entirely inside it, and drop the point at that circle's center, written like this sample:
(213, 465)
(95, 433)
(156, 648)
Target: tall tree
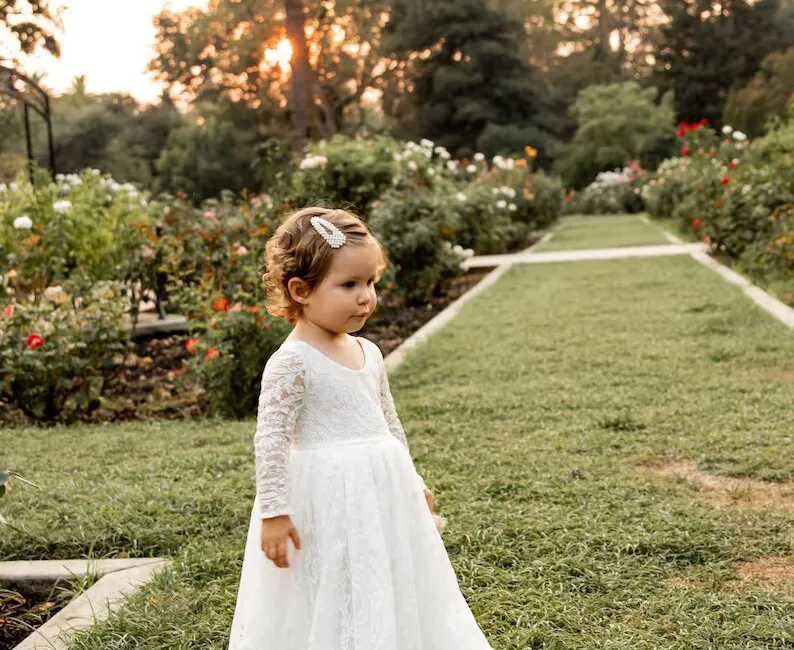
(709, 47)
(301, 96)
(228, 50)
(750, 108)
(470, 89)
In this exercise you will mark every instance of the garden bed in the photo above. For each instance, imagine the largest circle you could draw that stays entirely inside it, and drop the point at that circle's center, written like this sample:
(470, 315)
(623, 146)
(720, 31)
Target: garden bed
(152, 382)
(24, 610)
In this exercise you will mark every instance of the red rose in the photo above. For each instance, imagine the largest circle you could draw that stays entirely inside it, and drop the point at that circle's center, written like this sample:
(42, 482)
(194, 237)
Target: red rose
(221, 304)
(696, 223)
(212, 353)
(704, 122)
(191, 345)
(732, 164)
(685, 151)
(725, 180)
(35, 341)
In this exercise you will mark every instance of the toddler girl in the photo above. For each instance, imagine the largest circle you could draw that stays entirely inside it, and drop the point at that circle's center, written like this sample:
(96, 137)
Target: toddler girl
(342, 551)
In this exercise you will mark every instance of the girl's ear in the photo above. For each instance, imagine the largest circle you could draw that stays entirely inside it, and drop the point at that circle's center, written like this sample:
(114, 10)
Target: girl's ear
(299, 291)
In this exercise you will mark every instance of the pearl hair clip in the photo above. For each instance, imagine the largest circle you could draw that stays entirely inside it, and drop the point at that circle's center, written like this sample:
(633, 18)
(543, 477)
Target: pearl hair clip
(329, 232)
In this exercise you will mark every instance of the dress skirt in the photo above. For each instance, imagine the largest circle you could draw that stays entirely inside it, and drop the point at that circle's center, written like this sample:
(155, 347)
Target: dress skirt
(373, 573)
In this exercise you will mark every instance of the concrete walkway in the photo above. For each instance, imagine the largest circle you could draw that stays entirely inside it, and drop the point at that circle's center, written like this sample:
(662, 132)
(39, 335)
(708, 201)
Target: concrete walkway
(662, 250)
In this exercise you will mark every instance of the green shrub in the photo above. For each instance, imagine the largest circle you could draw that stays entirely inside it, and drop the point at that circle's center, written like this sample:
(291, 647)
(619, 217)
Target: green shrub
(413, 224)
(345, 173)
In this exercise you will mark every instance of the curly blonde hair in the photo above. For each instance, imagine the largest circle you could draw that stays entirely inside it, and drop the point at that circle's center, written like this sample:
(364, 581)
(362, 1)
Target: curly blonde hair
(297, 250)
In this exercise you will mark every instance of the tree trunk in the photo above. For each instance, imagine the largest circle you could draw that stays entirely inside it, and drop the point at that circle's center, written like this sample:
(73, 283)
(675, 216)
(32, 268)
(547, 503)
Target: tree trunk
(301, 99)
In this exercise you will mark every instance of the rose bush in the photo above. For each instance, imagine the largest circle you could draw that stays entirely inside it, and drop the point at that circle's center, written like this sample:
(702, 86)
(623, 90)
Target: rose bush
(57, 354)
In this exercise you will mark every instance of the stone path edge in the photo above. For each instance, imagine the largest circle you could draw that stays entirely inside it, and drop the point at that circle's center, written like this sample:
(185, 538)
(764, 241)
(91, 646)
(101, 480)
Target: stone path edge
(119, 578)
(759, 296)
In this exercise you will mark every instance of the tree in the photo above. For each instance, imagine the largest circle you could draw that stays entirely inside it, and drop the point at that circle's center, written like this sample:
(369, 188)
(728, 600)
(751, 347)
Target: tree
(301, 98)
(617, 124)
(710, 47)
(226, 50)
(31, 23)
(208, 156)
(750, 108)
(469, 87)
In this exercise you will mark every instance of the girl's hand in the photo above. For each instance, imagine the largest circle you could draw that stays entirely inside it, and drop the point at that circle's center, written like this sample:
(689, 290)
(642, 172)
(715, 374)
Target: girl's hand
(276, 533)
(431, 500)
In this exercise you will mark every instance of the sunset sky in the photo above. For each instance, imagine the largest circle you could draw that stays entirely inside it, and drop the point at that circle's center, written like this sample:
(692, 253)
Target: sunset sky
(108, 41)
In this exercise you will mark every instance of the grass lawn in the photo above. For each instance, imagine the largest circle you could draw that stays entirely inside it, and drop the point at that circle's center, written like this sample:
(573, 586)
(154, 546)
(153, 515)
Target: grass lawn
(536, 416)
(607, 231)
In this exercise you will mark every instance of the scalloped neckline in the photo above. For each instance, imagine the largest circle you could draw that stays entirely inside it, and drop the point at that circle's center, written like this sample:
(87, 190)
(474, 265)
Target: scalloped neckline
(334, 362)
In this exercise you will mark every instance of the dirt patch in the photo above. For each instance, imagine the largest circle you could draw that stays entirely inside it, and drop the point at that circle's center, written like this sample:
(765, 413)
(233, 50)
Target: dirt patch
(775, 569)
(782, 375)
(727, 491)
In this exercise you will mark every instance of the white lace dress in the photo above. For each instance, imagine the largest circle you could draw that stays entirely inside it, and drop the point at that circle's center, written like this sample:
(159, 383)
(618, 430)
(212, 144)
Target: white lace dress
(373, 573)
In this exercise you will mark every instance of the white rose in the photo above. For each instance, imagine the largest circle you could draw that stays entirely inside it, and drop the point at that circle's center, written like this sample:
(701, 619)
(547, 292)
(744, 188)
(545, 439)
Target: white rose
(23, 223)
(494, 190)
(498, 160)
(457, 248)
(467, 253)
(412, 165)
(431, 172)
(739, 136)
(727, 129)
(508, 192)
(512, 207)
(452, 165)
(397, 157)
(460, 196)
(479, 157)
(53, 292)
(312, 162)
(510, 163)
(427, 144)
(501, 204)
(62, 206)
(471, 169)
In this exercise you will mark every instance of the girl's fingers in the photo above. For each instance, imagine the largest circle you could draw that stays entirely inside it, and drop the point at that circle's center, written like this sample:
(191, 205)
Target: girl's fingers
(295, 538)
(282, 561)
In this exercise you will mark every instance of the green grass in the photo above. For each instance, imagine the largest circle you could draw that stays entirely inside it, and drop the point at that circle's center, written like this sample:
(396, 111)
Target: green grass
(530, 416)
(609, 231)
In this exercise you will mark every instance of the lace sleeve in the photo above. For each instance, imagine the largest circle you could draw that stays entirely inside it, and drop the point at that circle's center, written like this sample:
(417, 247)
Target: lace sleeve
(390, 411)
(280, 401)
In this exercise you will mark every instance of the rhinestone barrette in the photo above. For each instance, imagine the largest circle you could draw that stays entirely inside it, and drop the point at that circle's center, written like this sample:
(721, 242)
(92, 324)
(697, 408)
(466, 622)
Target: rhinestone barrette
(329, 232)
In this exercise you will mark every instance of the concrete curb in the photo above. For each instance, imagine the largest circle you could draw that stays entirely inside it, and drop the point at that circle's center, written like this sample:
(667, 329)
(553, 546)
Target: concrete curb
(660, 250)
(119, 579)
(439, 321)
(764, 300)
